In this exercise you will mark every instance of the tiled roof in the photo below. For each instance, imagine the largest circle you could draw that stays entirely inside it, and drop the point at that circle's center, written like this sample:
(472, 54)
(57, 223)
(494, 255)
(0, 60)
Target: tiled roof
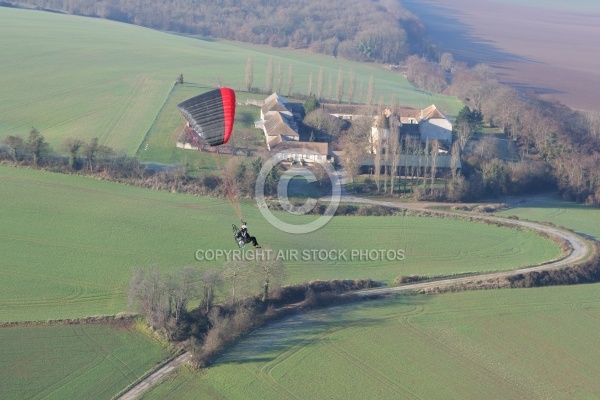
(406, 114)
(432, 112)
(275, 103)
(350, 109)
(277, 124)
(321, 148)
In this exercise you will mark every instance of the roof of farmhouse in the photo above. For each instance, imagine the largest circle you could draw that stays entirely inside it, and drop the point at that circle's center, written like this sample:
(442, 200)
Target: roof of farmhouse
(281, 124)
(302, 147)
(430, 112)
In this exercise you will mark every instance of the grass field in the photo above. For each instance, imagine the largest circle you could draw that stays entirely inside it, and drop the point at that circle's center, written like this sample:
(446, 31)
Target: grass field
(551, 208)
(69, 243)
(521, 343)
(159, 145)
(72, 76)
(69, 362)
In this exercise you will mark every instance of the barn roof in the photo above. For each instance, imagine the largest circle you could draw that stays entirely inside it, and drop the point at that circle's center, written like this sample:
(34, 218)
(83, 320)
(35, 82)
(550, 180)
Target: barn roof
(318, 148)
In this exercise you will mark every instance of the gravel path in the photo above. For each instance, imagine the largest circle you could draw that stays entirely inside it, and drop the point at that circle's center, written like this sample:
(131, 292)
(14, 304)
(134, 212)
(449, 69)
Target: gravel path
(579, 251)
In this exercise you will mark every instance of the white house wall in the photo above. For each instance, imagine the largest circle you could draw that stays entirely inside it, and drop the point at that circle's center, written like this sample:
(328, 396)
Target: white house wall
(436, 129)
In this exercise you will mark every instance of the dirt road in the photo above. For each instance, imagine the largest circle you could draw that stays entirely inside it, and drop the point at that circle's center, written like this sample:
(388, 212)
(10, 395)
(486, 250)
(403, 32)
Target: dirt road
(140, 387)
(579, 246)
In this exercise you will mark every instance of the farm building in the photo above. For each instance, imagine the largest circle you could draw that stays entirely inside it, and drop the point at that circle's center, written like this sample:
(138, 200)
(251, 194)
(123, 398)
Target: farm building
(280, 127)
(428, 123)
(302, 151)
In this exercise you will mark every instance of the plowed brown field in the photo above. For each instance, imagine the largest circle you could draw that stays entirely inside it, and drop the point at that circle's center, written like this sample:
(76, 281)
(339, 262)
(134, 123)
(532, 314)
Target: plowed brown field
(548, 47)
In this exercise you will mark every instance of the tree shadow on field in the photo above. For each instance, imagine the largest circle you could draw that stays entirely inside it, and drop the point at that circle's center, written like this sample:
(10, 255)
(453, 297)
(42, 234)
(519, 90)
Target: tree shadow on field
(444, 26)
(301, 330)
(544, 200)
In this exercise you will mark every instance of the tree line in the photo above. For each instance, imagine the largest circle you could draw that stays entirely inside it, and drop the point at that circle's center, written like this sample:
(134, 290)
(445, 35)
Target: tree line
(559, 148)
(92, 158)
(584, 272)
(361, 30)
(553, 140)
(182, 305)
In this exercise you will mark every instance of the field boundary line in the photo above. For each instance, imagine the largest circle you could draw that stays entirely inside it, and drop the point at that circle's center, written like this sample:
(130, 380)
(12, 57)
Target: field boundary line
(580, 249)
(137, 152)
(94, 320)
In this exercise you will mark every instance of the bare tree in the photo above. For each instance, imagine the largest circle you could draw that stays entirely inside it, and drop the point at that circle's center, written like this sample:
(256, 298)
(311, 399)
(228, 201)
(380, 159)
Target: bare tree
(377, 164)
(454, 160)
(269, 76)
(474, 86)
(487, 147)
(16, 145)
(425, 75)
(211, 282)
(148, 292)
(407, 150)
(464, 132)
(360, 92)
(323, 122)
(90, 152)
(395, 147)
(593, 123)
(356, 144)
(435, 148)
(236, 277)
(329, 87)
(184, 284)
(271, 274)
(72, 147)
(320, 84)
(381, 146)
(290, 80)
(37, 146)
(279, 78)
(447, 61)
(339, 87)
(352, 86)
(249, 72)
(426, 154)
(371, 90)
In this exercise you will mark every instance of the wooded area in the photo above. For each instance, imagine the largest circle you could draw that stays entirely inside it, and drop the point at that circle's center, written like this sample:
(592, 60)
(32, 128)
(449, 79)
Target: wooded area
(559, 147)
(362, 30)
(554, 140)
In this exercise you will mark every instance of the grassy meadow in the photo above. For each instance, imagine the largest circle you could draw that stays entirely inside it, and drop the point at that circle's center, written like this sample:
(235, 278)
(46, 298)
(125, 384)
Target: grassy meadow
(159, 144)
(72, 76)
(551, 208)
(502, 344)
(73, 361)
(69, 243)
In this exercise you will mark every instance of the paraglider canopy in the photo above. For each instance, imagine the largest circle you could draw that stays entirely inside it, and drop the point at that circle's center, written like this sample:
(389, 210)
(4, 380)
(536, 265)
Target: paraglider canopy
(211, 115)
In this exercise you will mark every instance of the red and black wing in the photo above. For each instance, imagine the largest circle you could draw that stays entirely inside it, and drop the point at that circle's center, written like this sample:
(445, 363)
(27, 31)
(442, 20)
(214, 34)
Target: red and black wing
(211, 115)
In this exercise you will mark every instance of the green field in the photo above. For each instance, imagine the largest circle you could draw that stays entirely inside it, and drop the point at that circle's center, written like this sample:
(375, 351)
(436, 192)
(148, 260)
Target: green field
(72, 76)
(73, 362)
(69, 243)
(551, 208)
(159, 145)
(496, 344)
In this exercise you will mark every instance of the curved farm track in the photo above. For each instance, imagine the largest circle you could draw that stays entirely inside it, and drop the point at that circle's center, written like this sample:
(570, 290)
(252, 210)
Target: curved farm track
(580, 250)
